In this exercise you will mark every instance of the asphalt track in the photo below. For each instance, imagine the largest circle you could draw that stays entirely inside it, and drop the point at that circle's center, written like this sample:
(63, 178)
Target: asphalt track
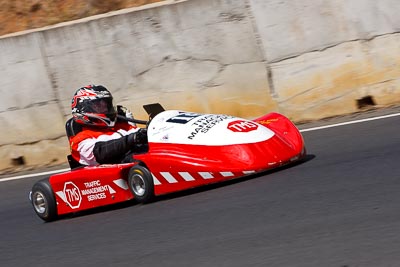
(341, 207)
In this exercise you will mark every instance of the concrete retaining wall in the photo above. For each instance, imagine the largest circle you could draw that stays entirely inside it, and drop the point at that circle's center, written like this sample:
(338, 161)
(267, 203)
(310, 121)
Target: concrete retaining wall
(307, 59)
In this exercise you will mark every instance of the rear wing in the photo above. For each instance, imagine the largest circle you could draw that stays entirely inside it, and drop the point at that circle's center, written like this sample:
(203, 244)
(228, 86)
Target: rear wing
(153, 109)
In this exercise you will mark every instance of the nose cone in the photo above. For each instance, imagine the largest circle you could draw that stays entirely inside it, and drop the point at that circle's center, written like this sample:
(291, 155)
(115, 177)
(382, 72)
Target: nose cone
(272, 152)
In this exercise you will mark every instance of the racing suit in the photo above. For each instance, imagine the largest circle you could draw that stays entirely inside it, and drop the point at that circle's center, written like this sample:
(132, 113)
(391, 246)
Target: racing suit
(94, 145)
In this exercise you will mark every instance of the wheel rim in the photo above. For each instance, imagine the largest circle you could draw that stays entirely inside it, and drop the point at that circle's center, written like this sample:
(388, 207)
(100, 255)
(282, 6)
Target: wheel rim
(138, 185)
(39, 202)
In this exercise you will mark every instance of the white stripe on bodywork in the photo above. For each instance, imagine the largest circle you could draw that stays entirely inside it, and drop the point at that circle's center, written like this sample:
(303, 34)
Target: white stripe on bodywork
(169, 177)
(227, 174)
(121, 183)
(155, 180)
(186, 176)
(111, 190)
(62, 196)
(206, 175)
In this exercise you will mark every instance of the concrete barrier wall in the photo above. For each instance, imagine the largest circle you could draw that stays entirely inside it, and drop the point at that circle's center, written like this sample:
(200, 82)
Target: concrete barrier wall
(325, 55)
(307, 59)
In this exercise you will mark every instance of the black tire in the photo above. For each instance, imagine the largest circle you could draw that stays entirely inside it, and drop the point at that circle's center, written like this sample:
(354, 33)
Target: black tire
(43, 200)
(141, 184)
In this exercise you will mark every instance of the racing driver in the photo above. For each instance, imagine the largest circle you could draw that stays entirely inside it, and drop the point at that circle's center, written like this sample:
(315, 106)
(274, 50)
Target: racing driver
(103, 139)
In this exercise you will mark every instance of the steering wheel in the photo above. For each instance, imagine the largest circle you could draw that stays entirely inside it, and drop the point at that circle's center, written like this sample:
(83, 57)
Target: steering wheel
(133, 120)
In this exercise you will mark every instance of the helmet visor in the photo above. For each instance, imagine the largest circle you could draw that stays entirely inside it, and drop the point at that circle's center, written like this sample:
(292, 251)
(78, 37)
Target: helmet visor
(101, 106)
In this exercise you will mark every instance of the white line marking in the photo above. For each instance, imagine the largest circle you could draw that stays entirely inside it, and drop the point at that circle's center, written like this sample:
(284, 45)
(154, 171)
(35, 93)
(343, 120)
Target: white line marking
(303, 130)
(32, 175)
(349, 122)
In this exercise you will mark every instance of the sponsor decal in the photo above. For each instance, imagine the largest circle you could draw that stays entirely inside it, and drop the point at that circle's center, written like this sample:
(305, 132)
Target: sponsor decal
(72, 195)
(94, 190)
(204, 124)
(183, 117)
(266, 122)
(242, 126)
(162, 129)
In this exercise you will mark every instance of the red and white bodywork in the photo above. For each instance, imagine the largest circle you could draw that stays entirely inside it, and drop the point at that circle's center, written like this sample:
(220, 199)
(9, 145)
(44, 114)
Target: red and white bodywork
(186, 150)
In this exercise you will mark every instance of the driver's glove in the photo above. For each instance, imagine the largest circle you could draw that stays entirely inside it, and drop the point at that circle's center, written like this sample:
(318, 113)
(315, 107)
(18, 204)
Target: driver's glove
(141, 136)
(138, 137)
(121, 110)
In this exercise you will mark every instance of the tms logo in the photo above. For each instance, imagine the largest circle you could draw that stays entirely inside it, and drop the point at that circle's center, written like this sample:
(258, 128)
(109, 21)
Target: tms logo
(72, 195)
(242, 126)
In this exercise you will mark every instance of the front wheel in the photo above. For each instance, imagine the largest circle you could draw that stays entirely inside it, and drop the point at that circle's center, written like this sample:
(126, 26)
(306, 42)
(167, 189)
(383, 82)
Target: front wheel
(141, 184)
(43, 201)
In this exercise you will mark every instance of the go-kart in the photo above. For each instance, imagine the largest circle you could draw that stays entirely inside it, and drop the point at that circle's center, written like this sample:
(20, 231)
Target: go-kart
(184, 150)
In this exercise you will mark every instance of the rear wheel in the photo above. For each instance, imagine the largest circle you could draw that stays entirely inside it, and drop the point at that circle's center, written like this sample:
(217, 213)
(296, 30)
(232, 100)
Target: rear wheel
(43, 201)
(141, 184)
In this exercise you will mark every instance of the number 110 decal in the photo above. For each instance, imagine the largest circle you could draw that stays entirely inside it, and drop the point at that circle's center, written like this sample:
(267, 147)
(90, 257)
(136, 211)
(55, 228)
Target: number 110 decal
(184, 117)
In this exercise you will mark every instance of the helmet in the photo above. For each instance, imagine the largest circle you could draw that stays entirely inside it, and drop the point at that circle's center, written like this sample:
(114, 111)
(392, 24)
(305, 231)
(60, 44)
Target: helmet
(93, 105)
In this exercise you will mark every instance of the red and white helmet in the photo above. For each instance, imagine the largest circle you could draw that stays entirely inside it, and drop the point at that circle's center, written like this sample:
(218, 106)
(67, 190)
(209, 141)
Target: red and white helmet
(92, 105)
